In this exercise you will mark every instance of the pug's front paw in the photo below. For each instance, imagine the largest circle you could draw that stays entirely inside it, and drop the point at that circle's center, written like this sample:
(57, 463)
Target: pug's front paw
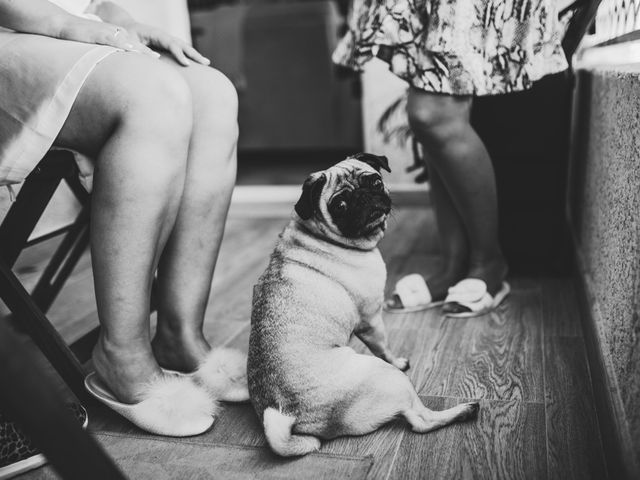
(401, 364)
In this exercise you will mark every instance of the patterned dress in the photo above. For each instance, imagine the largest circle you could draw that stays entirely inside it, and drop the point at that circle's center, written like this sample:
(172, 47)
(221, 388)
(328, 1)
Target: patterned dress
(457, 47)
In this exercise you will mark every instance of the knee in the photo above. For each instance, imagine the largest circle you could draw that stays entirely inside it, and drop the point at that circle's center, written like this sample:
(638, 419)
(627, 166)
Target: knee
(434, 128)
(216, 117)
(157, 103)
(439, 122)
(154, 113)
(218, 104)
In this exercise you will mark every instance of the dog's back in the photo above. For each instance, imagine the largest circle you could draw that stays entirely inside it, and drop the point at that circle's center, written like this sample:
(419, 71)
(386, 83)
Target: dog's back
(300, 317)
(325, 281)
(298, 311)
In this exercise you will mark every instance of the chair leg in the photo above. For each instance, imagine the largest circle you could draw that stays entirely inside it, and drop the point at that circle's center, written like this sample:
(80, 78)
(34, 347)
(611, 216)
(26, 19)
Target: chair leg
(42, 332)
(24, 215)
(29, 398)
(62, 262)
(56, 274)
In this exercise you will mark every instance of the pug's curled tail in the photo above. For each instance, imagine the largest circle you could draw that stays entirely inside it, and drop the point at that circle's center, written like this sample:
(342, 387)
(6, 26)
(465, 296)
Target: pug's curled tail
(277, 428)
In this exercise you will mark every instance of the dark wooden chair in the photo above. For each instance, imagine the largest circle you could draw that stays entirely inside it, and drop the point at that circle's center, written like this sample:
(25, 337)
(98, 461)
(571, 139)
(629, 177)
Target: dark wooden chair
(27, 394)
(29, 397)
(29, 309)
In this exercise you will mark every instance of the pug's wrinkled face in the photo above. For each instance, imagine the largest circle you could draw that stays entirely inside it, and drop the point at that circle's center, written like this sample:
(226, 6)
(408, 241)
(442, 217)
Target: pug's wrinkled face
(347, 203)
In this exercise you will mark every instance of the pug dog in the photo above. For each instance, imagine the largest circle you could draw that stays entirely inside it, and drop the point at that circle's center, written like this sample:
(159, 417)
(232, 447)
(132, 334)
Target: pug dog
(325, 282)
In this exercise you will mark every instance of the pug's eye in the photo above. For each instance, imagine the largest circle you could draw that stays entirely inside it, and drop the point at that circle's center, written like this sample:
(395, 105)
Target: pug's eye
(338, 207)
(377, 184)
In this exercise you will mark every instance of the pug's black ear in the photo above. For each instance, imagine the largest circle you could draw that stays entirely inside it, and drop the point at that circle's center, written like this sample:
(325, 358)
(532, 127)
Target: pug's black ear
(309, 200)
(376, 161)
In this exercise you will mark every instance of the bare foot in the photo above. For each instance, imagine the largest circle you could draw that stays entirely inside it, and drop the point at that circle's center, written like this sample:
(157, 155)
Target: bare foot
(493, 273)
(126, 371)
(439, 284)
(180, 352)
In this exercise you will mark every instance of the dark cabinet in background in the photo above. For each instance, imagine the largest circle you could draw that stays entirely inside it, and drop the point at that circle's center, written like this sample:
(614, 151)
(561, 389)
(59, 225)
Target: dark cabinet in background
(279, 57)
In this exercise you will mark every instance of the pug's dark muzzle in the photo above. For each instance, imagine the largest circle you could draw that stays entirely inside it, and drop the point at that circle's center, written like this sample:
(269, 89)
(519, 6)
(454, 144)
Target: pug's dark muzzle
(367, 212)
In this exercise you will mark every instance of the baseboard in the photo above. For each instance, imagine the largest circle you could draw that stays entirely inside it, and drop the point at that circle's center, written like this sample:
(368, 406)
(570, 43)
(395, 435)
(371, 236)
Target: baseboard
(278, 200)
(616, 441)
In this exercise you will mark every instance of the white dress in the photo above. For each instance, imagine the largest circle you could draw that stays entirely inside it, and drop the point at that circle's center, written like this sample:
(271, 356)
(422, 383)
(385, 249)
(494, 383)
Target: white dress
(77, 7)
(40, 78)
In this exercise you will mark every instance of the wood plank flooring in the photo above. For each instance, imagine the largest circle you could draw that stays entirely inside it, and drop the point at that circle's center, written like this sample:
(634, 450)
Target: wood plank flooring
(525, 363)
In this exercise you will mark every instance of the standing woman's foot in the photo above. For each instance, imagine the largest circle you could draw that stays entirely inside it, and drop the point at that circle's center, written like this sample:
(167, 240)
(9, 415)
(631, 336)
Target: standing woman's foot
(493, 272)
(410, 292)
(440, 283)
(480, 292)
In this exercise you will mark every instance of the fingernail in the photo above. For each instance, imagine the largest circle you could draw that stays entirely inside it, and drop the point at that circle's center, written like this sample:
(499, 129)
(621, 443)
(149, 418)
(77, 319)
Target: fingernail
(156, 54)
(207, 61)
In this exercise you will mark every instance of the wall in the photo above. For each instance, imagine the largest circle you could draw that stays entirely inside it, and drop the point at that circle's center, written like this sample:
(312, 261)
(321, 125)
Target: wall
(171, 15)
(380, 88)
(278, 56)
(605, 222)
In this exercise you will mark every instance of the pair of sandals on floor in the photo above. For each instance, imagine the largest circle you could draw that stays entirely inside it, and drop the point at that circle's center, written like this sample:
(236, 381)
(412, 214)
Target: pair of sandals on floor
(467, 298)
(182, 404)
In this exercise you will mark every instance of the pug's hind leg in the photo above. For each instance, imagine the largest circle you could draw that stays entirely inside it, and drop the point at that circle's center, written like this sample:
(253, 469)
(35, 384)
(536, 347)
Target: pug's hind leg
(373, 335)
(423, 420)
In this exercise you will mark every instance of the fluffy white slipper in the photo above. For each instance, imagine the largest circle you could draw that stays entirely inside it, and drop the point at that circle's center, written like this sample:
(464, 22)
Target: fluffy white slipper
(224, 374)
(172, 406)
(471, 296)
(411, 294)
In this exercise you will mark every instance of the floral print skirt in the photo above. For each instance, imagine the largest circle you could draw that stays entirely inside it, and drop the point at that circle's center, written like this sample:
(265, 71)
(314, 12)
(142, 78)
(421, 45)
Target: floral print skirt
(457, 47)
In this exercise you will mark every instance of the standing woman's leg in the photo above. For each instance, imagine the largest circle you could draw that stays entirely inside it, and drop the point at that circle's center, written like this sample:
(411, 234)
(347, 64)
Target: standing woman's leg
(134, 116)
(187, 265)
(453, 238)
(441, 124)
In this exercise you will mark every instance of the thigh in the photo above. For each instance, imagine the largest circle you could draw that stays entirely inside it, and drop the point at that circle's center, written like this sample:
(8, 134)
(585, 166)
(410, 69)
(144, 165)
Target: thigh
(119, 85)
(432, 107)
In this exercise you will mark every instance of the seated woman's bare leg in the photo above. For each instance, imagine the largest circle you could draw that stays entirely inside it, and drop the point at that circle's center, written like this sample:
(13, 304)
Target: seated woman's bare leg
(134, 116)
(188, 262)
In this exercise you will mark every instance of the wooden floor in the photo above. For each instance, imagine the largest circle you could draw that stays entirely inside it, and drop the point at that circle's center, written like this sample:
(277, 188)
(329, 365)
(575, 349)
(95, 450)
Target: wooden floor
(525, 363)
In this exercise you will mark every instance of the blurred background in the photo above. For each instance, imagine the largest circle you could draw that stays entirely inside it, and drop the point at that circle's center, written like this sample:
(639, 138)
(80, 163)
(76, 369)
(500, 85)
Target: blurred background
(298, 112)
(566, 160)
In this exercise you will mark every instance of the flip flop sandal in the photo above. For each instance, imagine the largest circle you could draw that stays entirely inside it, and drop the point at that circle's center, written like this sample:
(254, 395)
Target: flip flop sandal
(223, 373)
(470, 298)
(172, 406)
(411, 294)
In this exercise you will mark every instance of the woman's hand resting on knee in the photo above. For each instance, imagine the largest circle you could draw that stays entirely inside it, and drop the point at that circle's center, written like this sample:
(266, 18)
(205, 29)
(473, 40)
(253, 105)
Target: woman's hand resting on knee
(118, 29)
(161, 40)
(101, 33)
(146, 35)
(136, 37)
